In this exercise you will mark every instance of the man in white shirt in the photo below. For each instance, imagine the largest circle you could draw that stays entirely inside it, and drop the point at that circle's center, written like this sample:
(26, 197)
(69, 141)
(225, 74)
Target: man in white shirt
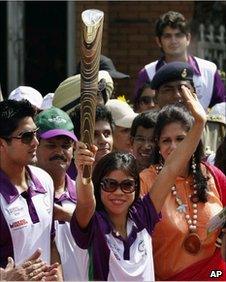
(54, 155)
(173, 37)
(26, 192)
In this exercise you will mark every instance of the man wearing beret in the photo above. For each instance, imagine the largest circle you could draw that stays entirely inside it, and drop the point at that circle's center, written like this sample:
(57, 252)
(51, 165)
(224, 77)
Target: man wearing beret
(173, 37)
(168, 80)
(167, 84)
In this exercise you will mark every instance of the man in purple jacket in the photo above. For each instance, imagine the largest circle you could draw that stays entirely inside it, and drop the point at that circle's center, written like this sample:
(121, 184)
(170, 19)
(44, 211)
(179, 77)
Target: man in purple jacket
(173, 37)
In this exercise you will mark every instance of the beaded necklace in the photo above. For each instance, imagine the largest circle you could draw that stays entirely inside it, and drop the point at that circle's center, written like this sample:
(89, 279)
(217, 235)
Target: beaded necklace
(192, 242)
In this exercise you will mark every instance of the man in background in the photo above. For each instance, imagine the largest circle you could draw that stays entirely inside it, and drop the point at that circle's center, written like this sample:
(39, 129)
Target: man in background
(173, 37)
(123, 116)
(141, 136)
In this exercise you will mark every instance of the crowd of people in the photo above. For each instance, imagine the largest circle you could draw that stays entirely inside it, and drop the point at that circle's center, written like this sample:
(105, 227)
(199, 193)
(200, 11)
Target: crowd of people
(157, 180)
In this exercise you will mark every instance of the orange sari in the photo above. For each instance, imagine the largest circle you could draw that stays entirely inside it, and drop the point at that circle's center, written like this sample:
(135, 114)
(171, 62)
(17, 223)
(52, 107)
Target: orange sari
(172, 261)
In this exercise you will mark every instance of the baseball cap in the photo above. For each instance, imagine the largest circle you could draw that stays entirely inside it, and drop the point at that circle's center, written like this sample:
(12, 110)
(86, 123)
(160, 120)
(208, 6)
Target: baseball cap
(47, 101)
(171, 72)
(28, 93)
(67, 95)
(54, 122)
(107, 64)
(122, 114)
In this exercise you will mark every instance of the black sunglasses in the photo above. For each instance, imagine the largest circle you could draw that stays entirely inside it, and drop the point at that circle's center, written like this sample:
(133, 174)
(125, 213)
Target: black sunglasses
(111, 185)
(26, 137)
(146, 100)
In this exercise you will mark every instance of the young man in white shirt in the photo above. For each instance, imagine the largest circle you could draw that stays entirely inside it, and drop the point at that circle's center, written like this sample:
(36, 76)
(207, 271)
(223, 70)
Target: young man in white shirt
(26, 192)
(173, 37)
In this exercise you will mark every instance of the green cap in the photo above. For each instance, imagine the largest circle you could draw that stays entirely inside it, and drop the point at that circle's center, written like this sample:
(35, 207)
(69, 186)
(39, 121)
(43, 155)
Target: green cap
(54, 122)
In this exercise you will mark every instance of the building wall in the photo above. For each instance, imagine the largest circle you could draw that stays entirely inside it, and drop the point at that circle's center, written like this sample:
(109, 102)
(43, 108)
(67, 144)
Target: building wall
(128, 37)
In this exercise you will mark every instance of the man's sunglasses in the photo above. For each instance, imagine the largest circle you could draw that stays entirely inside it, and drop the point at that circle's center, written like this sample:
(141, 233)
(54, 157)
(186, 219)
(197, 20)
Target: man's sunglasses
(111, 185)
(25, 137)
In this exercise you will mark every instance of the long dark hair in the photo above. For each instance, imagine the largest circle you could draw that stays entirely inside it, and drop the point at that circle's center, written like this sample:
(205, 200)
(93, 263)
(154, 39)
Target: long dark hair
(114, 161)
(220, 158)
(179, 114)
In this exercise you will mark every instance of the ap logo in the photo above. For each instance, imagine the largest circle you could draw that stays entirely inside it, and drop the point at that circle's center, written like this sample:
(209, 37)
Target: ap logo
(215, 273)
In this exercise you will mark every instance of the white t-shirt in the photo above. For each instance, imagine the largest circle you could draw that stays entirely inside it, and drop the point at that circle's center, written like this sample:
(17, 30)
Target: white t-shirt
(26, 219)
(113, 258)
(70, 254)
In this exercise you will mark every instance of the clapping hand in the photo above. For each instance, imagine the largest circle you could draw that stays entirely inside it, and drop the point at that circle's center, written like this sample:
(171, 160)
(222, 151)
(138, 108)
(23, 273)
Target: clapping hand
(32, 269)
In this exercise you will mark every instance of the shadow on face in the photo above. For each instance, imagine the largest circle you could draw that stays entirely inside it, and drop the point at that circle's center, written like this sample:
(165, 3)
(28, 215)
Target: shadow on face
(170, 93)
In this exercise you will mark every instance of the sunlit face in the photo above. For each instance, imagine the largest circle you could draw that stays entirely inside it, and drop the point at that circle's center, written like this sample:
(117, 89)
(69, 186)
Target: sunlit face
(55, 154)
(103, 139)
(170, 92)
(117, 203)
(121, 137)
(147, 101)
(142, 145)
(171, 135)
(173, 42)
(18, 152)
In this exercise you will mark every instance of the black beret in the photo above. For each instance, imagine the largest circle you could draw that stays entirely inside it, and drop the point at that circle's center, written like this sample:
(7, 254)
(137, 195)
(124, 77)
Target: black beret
(172, 72)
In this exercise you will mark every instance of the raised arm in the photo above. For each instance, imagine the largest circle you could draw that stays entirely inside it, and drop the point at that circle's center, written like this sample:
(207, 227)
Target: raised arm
(85, 194)
(182, 154)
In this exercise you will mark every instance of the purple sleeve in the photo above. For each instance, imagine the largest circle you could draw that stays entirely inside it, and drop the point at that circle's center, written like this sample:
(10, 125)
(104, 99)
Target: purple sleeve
(92, 238)
(142, 79)
(219, 92)
(144, 214)
(81, 236)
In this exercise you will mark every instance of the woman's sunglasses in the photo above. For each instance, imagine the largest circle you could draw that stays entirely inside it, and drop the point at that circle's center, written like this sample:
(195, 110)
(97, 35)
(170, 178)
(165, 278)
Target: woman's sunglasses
(111, 185)
(146, 100)
(25, 137)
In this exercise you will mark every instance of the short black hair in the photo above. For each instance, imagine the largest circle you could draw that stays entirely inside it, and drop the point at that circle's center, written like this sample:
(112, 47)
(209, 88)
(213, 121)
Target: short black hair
(173, 20)
(110, 162)
(145, 119)
(102, 113)
(11, 113)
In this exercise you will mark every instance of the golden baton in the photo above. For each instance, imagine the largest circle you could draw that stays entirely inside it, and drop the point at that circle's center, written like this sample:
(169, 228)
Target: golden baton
(91, 37)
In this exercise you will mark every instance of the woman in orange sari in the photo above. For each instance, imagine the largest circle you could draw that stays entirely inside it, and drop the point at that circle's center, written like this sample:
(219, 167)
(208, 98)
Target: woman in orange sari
(181, 247)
